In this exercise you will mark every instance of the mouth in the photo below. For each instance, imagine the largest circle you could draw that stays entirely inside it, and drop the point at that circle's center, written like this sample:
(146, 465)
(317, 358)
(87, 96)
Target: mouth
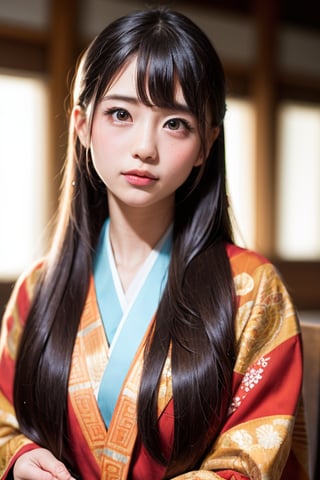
(139, 177)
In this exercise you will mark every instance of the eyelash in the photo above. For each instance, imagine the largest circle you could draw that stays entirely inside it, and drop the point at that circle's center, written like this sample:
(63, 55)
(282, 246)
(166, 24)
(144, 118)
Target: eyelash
(112, 111)
(187, 125)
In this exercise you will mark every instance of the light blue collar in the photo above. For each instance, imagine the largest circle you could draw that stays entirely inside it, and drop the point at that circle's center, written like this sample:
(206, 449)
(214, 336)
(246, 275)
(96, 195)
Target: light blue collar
(125, 332)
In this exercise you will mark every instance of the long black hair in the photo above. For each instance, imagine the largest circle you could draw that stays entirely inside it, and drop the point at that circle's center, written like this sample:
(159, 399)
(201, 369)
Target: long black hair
(196, 314)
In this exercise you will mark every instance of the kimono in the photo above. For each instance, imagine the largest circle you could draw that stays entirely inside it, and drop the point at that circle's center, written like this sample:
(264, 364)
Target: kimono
(263, 435)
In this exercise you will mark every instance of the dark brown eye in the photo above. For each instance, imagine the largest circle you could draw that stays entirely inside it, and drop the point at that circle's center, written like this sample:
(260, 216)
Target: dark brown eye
(174, 124)
(122, 115)
(118, 114)
(179, 124)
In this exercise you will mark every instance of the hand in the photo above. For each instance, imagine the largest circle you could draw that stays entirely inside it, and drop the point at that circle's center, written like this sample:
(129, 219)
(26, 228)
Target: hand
(40, 464)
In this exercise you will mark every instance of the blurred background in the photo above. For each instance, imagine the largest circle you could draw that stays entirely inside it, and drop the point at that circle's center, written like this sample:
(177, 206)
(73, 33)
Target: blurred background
(271, 54)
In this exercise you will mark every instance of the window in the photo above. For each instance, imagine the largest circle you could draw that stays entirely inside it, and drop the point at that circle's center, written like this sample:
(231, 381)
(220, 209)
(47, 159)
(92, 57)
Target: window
(240, 164)
(298, 219)
(22, 172)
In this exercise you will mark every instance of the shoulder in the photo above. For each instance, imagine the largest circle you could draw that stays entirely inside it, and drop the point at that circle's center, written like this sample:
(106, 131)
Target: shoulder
(258, 282)
(242, 259)
(251, 270)
(266, 315)
(17, 310)
(23, 291)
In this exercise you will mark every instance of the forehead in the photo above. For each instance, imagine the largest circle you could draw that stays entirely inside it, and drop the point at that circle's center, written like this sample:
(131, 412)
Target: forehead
(125, 83)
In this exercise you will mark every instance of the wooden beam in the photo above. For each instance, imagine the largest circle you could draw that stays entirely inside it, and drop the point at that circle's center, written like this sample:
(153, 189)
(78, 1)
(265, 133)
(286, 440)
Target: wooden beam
(302, 279)
(20, 55)
(264, 93)
(63, 39)
(22, 34)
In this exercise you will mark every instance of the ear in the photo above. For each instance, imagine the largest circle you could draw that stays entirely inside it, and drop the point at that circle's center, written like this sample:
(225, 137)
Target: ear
(212, 137)
(81, 125)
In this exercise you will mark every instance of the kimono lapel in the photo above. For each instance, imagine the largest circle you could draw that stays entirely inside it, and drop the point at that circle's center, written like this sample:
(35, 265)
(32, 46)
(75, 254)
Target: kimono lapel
(122, 433)
(111, 449)
(106, 290)
(131, 324)
(89, 358)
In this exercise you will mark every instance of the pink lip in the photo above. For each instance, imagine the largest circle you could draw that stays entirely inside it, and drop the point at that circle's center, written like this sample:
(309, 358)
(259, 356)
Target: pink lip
(139, 178)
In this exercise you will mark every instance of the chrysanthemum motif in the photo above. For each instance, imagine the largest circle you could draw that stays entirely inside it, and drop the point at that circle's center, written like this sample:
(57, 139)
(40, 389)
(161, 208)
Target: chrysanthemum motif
(244, 283)
(282, 421)
(268, 437)
(242, 438)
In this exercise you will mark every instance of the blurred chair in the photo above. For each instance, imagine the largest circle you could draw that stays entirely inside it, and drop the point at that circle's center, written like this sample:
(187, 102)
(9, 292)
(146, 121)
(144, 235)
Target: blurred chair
(311, 391)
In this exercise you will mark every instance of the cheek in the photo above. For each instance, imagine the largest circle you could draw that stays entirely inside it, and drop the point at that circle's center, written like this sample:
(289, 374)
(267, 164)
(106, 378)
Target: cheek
(103, 147)
(99, 155)
(179, 170)
(107, 146)
(184, 158)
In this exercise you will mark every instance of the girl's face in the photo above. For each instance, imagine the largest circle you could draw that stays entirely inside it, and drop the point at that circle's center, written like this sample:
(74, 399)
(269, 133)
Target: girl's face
(142, 153)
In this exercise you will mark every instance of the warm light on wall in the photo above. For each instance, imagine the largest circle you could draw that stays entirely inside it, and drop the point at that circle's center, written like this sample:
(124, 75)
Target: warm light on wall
(298, 222)
(23, 163)
(240, 151)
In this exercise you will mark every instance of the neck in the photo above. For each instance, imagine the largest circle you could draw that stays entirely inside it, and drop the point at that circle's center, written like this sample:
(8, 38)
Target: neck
(135, 231)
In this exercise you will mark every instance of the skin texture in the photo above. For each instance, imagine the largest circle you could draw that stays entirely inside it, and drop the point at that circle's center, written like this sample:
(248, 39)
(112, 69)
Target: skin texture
(161, 145)
(40, 464)
(143, 154)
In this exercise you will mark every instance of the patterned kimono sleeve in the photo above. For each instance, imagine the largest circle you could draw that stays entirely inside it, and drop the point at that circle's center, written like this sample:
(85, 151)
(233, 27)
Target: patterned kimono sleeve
(258, 440)
(12, 442)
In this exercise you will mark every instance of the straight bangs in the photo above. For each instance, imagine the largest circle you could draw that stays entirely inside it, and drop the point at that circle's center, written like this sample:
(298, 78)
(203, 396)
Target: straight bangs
(167, 54)
(159, 74)
(170, 51)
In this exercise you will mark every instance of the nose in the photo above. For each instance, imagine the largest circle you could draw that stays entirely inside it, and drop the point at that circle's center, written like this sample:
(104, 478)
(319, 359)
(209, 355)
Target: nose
(144, 145)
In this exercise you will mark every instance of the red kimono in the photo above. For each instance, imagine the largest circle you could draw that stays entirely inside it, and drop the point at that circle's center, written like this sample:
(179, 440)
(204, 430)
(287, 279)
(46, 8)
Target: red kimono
(263, 435)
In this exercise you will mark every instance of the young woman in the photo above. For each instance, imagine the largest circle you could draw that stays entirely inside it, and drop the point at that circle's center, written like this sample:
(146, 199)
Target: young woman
(146, 344)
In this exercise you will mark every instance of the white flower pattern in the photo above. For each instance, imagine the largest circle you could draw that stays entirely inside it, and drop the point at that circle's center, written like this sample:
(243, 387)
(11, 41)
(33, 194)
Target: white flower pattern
(282, 421)
(252, 377)
(265, 436)
(242, 438)
(268, 437)
(261, 440)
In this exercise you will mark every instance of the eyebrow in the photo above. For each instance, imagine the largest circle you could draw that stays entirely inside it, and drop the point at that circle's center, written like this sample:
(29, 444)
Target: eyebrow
(177, 106)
